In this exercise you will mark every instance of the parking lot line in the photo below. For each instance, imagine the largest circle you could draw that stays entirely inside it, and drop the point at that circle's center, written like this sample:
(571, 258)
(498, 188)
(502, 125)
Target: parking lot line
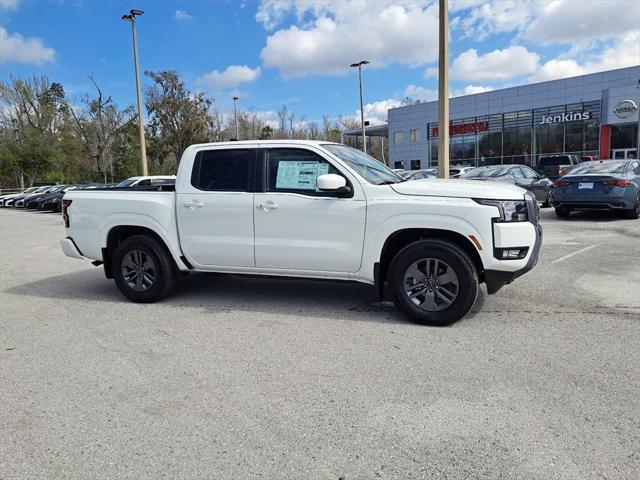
(577, 252)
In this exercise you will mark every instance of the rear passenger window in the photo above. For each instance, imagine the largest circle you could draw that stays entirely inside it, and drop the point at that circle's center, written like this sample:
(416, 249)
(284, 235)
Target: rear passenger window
(222, 170)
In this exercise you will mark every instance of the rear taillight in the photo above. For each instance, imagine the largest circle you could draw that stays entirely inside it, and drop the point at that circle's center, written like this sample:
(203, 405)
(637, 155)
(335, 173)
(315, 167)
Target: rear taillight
(65, 213)
(560, 183)
(618, 183)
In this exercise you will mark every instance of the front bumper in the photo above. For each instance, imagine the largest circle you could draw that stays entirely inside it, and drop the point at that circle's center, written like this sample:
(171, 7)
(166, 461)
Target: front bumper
(496, 279)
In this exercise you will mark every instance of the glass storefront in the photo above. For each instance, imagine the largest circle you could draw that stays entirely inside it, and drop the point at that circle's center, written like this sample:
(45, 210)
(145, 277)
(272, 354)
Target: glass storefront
(522, 136)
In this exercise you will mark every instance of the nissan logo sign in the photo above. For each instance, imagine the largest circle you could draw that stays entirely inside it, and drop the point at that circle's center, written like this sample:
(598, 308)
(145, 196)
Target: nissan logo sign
(625, 108)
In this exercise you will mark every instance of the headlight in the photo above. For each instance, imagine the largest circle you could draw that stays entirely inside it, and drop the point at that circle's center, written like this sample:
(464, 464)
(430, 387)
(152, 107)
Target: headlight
(510, 210)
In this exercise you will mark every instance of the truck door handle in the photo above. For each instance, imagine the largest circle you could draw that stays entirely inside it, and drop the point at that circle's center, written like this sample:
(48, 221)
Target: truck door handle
(194, 204)
(267, 206)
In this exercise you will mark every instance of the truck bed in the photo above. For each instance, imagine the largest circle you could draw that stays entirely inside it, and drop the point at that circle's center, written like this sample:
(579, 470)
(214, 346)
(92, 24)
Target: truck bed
(93, 213)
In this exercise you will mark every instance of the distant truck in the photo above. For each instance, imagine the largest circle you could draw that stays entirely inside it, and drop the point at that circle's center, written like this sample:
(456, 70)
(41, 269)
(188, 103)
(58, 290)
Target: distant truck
(309, 209)
(555, 166)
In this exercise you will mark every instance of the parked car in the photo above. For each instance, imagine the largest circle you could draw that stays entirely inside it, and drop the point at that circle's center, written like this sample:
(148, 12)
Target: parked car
(604, 184)
(555, 166)
(32, 201)
(456, 172)
(146, 181)
(309, 209)
(17, 201)
(53, 201)
(5, 198)
(22, 203)
(419, 174)
(519, 175)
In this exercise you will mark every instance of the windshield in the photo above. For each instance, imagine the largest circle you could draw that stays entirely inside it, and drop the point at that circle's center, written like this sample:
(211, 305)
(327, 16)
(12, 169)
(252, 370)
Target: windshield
(600, 167)
(126, 183)
(368, 167)
(485, 172)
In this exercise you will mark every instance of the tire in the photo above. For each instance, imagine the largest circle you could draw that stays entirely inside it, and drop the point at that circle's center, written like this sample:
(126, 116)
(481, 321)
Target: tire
(549, 201)
(150, 271)
(563, 212)
(422, 258)
(633, 213)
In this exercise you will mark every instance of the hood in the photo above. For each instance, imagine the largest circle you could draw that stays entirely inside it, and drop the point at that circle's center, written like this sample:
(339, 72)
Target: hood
(460, 188)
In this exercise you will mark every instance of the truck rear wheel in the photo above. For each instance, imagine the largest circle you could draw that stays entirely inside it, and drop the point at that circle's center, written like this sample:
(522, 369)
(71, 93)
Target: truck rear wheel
(143, 269)
(433, 282)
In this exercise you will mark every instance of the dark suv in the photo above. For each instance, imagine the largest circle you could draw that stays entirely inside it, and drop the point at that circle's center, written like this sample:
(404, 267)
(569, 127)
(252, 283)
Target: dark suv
(555, 166)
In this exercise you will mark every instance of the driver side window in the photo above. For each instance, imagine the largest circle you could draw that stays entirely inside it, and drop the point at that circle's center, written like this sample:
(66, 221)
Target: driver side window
(296, 170)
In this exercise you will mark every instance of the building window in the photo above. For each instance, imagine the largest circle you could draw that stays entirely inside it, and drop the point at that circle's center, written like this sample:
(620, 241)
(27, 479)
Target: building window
(398, 138)
(415, 164)
(414, 135)
(398, 165)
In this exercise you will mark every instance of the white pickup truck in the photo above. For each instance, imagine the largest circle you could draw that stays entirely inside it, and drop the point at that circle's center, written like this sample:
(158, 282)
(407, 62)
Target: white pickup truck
(309, 209)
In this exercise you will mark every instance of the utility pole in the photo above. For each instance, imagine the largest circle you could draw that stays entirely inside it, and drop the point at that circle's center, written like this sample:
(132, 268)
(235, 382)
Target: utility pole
(364, 133)
(235, 116)
(131, 18)
(443, 92)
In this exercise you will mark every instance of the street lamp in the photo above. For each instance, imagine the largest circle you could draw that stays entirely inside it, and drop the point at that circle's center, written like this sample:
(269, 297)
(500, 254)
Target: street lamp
(364, 135)
(131, 18)
(235, 116)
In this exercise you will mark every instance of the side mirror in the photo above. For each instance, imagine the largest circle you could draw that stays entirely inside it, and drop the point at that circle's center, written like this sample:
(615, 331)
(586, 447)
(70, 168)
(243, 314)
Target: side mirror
(331, 182)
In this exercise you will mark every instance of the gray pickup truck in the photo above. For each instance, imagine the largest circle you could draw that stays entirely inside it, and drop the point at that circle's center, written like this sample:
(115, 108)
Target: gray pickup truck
(555, 166)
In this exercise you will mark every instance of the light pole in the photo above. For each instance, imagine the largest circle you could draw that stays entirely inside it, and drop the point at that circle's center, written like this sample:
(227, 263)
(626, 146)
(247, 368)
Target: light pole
(443, 93)
(364, 135)
(235, 116)
(131, 18)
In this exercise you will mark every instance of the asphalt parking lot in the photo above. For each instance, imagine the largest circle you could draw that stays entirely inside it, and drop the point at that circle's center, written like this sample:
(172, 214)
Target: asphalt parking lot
(242, 378)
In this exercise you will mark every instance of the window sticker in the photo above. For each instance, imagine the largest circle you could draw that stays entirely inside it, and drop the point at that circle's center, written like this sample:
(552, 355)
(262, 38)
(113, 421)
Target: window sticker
(300, 175)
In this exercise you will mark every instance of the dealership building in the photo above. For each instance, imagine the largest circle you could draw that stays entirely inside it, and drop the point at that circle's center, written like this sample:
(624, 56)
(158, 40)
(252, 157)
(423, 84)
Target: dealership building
(593, 115)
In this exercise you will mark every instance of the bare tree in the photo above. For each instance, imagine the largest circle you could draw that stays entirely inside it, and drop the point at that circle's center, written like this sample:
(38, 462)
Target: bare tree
(98, 124)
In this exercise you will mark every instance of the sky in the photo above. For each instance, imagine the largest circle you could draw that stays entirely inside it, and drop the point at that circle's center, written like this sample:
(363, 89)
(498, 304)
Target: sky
(298, 52)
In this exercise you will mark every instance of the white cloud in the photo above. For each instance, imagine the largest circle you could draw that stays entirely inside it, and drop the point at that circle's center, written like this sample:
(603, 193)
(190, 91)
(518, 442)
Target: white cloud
(183, 15)
(547, 22)
(230, 77)
(415, 92)
(565, 22)
(331, 35)
(619, 55)
(9, 4)
(16, 48)
(423, 94)
(471, 90)
(482, 19)
(503, 64)
(376, 112)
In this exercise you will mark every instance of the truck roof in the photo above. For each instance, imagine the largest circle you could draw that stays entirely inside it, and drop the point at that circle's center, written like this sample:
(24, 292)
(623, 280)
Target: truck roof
(271, 142)
(150, 176)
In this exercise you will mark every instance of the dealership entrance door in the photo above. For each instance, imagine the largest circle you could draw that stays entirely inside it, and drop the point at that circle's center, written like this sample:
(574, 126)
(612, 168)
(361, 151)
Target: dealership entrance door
(623, 153)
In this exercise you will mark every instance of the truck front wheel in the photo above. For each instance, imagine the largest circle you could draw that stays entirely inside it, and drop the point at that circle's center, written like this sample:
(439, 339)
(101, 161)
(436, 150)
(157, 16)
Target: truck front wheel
(433, 282)
(143, 269)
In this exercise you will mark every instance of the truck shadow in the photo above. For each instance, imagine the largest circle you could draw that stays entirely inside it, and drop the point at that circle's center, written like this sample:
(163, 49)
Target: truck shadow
(227, 292)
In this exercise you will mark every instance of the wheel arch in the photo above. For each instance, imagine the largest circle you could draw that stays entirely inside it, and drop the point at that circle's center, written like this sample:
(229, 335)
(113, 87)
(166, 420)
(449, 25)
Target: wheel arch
(119, 233)
(401, 238)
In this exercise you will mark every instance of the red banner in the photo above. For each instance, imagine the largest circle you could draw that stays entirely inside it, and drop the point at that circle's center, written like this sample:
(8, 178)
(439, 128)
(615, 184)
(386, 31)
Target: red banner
(463, 128)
